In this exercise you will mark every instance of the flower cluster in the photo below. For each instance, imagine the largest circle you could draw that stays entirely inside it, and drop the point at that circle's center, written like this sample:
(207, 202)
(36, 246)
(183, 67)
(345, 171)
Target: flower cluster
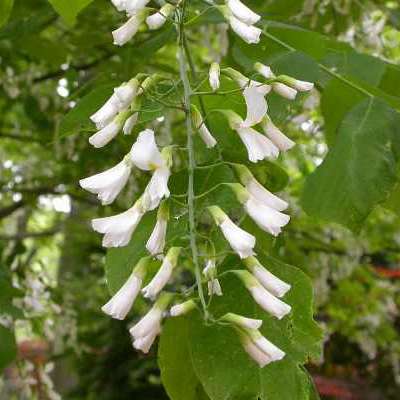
(261, 138)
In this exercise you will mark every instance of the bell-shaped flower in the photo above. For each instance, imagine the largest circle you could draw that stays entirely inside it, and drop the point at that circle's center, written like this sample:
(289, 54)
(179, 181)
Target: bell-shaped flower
(242, 12)
(156, 243)
(108, 133)
(257, 190)
(158, 19)
(127, 31)
(182, 309)
(134, 6)
(272, 283)
(122, 301)
(267, 301)
(210, 272)
(278, 138)
(163, 275)
(241, 241)
(201, 127)
(108, 184)
(130, 123)
(214, 76)
(119, 228)
(147, 329)
(242, 322)
(144, 152)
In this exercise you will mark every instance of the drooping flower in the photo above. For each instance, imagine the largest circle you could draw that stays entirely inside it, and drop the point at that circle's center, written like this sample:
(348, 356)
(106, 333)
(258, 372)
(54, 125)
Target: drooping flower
(210, 272)
(284, 90)
(267, 301)
(147, 329)
(242, 12)
(241, 241)
(278, 138)
(144, 152)
(163, 275)
(301, 86)
(130, 123)
(257, 190)
(157, 188)
(264, 70)
(272, 283)
(108, 184)
(242, 322)
(156, 243)
(120, 304)
(158, 19)
(119, 228)
(182, 309)
(119, 4)
(127, 31)
(213, 76)
(200, 125)
(134, 6)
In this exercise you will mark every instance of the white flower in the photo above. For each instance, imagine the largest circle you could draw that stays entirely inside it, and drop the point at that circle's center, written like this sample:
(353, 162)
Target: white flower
(163, 275)
(267, 218)
(284, 90)
(122, 301)
(156, 243)
(144, 153)
(240, 241)
(134, 6)
(182, 309)
(127, 92)
(250, 34)
(272, 283)
(119, 4)
(105, 135)
(144, 343)
(119, 228)
(108, 184)
(210, 272)
(258, 191)
(200, 125)
(158, 19)
(255, 353)
(157, 188)
(213, 76)
(107, 112)
(258, 146)
(267, 301)
(126, 32)
(278, 138)
(302, 86)
(257, 107)
(130, 123)
(242, 322)
(264, 70)
(239, 10)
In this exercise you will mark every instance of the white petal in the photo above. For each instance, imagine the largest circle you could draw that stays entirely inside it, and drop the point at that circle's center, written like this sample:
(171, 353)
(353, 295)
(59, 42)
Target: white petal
(265, 71)
(265, 196)
(284, 90)
(126, 32)
(105, 135)
(247, 323)
(250, 34)
(257, 106)
(133, 6)
(157, 188)
(303, 86)
(106, 113)
(156, 20)
(266, 217)
(130, 123)
(243, 12)
(144, 343)
(205, 134)
(271, 282)
(214, 287)
(269, 302)
(125, 94)
(156, 243)
(273, 352)
(120, 304)
(148, 324)
(108, 184)
(119, 4)
(160, 279)
(213, 76)
(144, 153)
(278, 138)
(118, 229)
(240, 241)
(255, 353)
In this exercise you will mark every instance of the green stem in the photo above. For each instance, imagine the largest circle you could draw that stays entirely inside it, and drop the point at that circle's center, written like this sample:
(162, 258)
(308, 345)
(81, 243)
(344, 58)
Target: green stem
(192, 162)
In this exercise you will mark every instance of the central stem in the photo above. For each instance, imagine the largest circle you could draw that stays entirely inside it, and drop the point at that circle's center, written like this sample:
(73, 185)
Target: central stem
(191, 156)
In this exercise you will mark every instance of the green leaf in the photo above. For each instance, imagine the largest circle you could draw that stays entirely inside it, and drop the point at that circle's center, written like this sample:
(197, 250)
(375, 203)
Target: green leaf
(6, 7)
(217, 357)
(8, 348)
(69, 9)
(360, 170)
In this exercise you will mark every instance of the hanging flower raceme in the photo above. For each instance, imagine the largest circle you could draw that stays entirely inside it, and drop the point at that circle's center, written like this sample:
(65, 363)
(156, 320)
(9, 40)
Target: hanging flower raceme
(257, 190)
(201, 127)
(241, 241)
(260, 349)
(158, 19)
(147, 329)
(241, 19)
(267, 301)
(270, 282)
(156, 243)
(163, 275)
(210, 272)
(182, 309)
(214, 76)
(258, 146)
(122, 301)
(267, 218)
